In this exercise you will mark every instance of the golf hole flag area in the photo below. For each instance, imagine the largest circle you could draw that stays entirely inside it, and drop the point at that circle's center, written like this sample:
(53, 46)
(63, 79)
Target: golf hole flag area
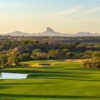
(13, 76)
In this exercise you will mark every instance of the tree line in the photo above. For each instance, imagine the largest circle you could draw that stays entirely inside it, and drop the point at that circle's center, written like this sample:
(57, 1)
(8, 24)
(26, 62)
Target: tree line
(12, 52)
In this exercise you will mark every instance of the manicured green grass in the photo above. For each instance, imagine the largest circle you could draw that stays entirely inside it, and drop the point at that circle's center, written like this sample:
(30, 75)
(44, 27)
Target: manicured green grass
(63, 81)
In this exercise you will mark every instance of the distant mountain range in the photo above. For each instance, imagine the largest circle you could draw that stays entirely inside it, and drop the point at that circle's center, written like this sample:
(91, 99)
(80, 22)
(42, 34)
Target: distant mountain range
(50, 33)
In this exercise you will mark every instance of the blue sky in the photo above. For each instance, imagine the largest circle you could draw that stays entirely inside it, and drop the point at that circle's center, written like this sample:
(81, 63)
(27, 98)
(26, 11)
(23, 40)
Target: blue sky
(67, 16)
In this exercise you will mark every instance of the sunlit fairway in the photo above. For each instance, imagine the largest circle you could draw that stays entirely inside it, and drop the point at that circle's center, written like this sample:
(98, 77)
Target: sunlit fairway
(62, 81)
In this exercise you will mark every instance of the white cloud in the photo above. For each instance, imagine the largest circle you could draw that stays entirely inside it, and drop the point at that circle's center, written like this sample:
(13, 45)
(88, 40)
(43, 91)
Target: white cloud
(93, 10)
(66, 12)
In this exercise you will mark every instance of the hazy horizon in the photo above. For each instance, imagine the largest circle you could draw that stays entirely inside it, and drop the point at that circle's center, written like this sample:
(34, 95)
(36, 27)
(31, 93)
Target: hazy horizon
(66, 16)
(45, 30)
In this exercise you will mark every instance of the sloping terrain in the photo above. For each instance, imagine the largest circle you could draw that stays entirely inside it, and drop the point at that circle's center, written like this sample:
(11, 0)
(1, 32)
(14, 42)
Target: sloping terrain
(63, 81)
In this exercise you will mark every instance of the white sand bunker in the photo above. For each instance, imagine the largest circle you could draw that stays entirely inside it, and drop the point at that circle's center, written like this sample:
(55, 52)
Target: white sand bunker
(13, 76)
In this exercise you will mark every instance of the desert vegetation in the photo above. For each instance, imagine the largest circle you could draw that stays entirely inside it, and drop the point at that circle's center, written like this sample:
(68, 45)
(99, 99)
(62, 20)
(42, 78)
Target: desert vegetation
(11, 53)
(94, 62)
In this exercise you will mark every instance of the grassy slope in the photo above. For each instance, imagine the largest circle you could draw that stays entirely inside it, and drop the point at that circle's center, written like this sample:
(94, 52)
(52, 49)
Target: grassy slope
(64, 81)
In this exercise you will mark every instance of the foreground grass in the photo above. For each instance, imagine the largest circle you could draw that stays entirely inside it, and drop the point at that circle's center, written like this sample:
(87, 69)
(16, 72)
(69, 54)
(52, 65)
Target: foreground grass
(63, 81)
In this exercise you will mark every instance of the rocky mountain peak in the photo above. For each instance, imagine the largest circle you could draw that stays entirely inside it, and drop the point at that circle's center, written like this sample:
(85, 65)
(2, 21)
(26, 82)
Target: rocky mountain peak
(48, 29)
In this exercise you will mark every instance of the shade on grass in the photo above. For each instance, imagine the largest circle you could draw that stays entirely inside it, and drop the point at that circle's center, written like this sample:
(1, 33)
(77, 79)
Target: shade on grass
(63, 81)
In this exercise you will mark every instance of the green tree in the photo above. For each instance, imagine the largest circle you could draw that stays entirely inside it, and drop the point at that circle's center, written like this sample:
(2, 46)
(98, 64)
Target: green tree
(3, 60)
(53, 54)
(37, 54)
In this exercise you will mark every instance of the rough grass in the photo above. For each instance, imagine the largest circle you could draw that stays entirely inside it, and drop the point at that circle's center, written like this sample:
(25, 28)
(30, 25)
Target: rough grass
(63, 81)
